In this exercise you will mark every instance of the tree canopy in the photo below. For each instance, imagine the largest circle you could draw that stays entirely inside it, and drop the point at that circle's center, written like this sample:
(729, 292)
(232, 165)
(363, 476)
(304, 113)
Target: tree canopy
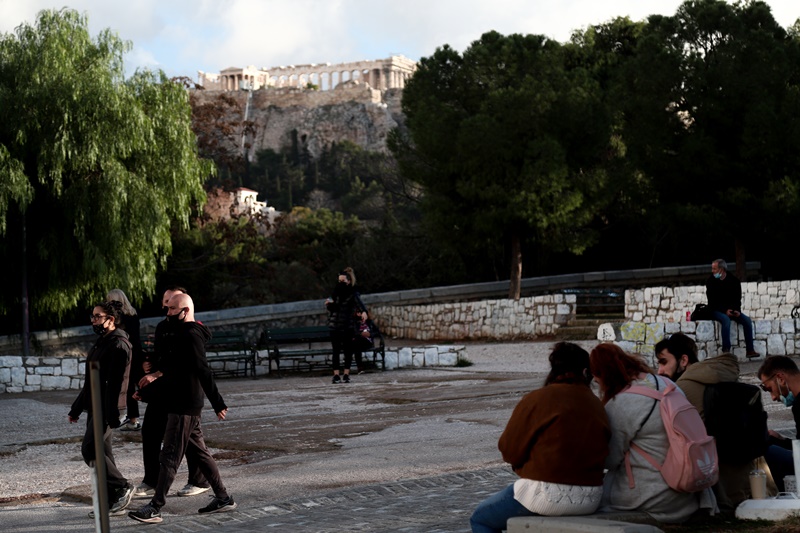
(94, 168)
(711, 107)
(511, 141)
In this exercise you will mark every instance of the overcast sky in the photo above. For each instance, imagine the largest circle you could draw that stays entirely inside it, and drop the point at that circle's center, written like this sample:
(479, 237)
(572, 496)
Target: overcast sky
(184, 36)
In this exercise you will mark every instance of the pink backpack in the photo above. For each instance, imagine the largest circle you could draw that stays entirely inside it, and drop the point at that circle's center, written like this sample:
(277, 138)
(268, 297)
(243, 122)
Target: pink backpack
(691, 464)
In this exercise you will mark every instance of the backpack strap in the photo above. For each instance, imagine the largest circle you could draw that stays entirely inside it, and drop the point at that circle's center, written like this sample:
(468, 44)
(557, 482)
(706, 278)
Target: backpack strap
(655, 395)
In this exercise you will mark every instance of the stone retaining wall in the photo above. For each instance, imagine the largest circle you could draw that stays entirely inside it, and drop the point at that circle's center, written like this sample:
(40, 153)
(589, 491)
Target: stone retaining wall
(502, 319)
(62, 373)
(771, 337)
(396, 358)
(58, 357)
(764, 300)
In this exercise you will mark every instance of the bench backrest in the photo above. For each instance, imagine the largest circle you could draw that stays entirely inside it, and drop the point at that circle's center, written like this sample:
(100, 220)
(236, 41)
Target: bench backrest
(295, 335)
(227, 338)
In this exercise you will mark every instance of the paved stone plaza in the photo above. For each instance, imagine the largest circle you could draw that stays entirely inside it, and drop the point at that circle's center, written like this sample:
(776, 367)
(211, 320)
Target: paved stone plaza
(403, 450)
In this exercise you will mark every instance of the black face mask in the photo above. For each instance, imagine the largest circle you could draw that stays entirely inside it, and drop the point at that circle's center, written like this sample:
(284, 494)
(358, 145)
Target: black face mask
(99, 329)
(175, 319)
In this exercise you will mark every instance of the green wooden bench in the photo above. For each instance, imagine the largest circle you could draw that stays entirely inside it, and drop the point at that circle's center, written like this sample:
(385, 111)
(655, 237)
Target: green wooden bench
(227, 346)
(311, 346)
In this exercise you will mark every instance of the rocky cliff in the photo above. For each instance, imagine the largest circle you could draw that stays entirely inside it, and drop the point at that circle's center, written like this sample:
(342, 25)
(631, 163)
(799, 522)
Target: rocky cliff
(353, 111)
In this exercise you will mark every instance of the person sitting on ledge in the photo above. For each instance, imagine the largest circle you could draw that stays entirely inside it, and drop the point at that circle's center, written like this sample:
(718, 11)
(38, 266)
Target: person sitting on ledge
(556, 442)
(724, 292)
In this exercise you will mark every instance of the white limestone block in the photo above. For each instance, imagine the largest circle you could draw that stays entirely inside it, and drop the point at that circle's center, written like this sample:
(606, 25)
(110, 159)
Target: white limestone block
(786, 326)
(10, 361)
(55, 382)
(448, 358)
(705, 330)
(33, 379)
(430, 356)
(18, 376)
(606, 333)
(69, 366)
(763, 327)
(776, 344)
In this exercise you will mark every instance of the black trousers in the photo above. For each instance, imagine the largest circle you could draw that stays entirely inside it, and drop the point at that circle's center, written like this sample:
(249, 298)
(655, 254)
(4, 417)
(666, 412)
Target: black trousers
(132, 404)
(114, 478)
(183, 433)
(343, 342)
(153, 428)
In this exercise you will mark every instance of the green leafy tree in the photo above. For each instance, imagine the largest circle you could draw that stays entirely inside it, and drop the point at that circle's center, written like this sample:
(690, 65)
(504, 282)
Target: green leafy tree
(94, 168)
(711, 117)
(511, 143)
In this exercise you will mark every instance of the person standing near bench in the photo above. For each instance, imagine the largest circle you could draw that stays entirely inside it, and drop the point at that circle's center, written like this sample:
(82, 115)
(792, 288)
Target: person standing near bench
(724, 293)
(187, 379)
(556, 441)
(343, 306)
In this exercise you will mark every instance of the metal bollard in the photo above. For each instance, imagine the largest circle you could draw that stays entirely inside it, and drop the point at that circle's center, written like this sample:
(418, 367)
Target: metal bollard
(100, 496)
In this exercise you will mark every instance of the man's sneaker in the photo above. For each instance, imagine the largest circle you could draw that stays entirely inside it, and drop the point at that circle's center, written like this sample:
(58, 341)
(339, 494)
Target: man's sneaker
(219, 506)
(752, 354)
(148, 514)
(124, 496)
(192, 490)
(130, 426)
(144, 490)
(336, 378)
(346, 378)
(110, 513)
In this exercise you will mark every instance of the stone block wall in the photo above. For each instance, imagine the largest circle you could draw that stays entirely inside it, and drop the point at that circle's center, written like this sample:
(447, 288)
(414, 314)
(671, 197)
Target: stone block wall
(764, 300)
(771, 337)
(501, 319)
(40, 373)
(396, 358)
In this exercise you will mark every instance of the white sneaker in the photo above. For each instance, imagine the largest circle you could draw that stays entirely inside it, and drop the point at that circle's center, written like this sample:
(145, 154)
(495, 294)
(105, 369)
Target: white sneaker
(144, 490)
(192, 490)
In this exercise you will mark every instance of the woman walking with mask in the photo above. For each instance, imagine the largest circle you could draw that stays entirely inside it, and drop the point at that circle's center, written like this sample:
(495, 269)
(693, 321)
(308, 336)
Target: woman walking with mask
(113, 353)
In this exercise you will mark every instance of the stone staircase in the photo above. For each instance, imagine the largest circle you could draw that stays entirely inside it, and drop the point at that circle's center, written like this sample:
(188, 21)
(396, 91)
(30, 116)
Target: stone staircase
(593, 307)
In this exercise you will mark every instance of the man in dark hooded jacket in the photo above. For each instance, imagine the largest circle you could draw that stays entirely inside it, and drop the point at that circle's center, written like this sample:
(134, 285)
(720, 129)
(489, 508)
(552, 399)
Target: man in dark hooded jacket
(187, 379)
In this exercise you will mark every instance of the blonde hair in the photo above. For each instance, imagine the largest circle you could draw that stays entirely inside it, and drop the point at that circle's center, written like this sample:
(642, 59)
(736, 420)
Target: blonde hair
(351, 275)
(116, 295)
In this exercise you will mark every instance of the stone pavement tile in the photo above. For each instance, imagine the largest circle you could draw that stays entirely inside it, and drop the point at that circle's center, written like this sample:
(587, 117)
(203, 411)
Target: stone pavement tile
(439, 504)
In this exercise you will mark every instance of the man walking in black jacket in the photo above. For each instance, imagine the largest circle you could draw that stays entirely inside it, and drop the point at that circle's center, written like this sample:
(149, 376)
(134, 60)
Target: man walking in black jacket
(187, 379)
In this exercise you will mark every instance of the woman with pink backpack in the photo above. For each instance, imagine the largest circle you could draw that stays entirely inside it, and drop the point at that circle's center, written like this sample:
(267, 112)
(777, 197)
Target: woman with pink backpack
(640, 444)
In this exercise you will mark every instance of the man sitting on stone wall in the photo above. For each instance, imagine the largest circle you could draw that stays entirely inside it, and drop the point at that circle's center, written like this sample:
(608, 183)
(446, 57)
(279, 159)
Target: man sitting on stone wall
(677, 359)
(724, 292)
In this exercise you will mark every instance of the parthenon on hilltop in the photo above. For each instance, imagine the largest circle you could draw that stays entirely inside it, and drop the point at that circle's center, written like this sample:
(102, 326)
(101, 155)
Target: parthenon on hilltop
(380, 74)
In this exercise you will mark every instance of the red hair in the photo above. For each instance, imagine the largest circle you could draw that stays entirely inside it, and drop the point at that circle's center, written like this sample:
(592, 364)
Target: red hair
(614, 368)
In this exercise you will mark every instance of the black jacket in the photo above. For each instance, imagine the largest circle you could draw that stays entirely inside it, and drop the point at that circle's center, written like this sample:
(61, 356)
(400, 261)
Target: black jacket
(113, 352)
(187, 378)
(724, 294)
(346, 301)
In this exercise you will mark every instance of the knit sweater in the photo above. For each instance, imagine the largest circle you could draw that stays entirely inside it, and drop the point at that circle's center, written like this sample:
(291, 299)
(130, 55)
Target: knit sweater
(559, 434)
(631, 418)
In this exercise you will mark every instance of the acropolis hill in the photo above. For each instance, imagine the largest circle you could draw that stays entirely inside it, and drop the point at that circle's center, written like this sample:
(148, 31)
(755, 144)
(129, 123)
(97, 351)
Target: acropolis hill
(323, 103)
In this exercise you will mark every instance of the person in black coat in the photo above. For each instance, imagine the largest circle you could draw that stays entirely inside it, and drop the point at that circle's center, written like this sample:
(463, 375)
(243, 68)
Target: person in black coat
(186, 381)
(130, 323)
(346, 312)
(113, 353)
